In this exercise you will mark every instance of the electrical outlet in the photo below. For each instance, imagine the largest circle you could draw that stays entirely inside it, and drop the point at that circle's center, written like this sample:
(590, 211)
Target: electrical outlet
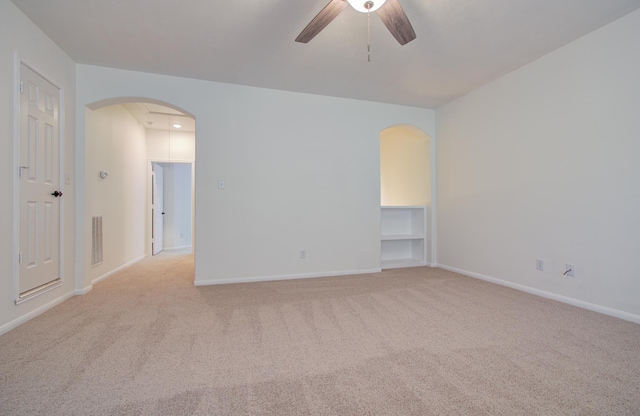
(570, 270)
(303, 254)
(539, 264)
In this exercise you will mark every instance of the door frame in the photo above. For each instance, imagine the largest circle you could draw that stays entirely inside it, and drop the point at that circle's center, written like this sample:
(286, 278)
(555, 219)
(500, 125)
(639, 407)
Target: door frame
(62, 178)
(157, 194)
(150, 162)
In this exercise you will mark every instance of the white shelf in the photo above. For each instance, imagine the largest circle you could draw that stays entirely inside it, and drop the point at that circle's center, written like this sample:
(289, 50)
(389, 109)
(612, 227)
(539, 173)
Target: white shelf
(400, 263)
(402, 236)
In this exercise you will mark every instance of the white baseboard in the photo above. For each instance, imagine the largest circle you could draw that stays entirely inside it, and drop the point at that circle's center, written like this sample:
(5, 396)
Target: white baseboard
(116, 270)
(83, 291)
(30, 315)
(282, 277)
(177, 248)
(549, 295)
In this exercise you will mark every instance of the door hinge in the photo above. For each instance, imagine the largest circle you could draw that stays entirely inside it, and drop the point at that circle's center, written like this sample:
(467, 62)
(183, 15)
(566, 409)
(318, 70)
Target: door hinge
(20, 169)
(19, 258)
(21, 86)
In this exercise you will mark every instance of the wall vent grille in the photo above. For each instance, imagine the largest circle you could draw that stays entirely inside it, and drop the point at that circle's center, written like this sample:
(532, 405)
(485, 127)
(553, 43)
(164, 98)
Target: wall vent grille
(96, 240)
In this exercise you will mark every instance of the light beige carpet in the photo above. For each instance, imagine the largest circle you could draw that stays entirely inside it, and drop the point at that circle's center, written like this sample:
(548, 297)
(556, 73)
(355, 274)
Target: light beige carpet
(403, 342)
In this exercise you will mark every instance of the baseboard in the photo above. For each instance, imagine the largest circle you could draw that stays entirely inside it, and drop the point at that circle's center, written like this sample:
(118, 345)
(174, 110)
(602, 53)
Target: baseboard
(30, 315)
(83, 291)
(177, 248)
(549, 295)
(283, 277)
(116, 270)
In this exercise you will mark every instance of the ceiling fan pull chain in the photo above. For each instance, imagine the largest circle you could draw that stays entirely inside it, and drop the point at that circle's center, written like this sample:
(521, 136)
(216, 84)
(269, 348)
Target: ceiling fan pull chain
(368, 35)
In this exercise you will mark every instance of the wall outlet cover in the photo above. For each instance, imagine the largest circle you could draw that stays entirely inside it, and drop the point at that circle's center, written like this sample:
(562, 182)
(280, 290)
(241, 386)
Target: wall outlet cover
(570, 270)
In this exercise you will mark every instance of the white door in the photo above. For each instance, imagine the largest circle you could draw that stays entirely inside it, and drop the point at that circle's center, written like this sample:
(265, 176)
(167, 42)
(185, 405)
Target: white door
(39, 238)
(157, 207)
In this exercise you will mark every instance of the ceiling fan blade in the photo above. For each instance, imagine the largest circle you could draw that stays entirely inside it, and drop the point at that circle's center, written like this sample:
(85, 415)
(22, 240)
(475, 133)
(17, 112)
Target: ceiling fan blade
(395, 19)
(321, 21)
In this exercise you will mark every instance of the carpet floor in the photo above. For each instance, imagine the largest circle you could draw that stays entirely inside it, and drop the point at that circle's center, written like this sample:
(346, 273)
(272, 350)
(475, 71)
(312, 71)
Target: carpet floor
(416, 341)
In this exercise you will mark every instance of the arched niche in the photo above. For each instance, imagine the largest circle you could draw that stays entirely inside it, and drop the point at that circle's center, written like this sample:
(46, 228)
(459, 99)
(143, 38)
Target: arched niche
(405, 166)
(406, 177)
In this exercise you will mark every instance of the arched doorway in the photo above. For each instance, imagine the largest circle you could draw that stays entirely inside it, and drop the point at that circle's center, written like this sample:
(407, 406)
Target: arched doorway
(123, 139)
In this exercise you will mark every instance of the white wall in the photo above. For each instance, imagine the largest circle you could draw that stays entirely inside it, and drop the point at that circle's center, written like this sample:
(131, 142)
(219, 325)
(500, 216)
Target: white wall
(301, 172)
(19, 35)
(176, 146)
(405, 167)
(543, 163)
(115, 143)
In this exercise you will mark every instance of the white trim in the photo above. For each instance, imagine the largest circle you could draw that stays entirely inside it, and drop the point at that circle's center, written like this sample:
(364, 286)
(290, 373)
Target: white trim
(79, 203)
(28, 316)
(83, 291)
(282, 277)
(117, 269)
(401, 264)
(40, 290)
(400, 207)
(16, 178)
(177, 248)
(184, 161)
(550, 295)
(433, 208)
(61, 179)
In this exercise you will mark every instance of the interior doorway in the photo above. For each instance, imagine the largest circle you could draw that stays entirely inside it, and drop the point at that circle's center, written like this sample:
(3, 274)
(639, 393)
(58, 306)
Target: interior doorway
(171, 205)
(157, 208)
(122, 138)
(40, 186)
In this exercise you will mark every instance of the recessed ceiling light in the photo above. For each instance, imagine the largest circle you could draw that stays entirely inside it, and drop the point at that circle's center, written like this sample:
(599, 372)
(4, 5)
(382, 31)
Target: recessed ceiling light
(177, 125)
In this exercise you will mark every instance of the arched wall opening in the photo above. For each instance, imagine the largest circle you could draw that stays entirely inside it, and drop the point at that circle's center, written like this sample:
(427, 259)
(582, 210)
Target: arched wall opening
(124, 138)
(406, 177)
(405, 166)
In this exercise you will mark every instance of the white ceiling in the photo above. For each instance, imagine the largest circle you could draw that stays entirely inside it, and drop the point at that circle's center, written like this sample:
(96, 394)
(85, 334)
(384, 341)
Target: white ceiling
(460, 45)
(158, 117)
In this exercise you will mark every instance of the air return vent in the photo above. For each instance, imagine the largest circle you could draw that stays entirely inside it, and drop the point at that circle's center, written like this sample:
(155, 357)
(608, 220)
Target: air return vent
(96, 240)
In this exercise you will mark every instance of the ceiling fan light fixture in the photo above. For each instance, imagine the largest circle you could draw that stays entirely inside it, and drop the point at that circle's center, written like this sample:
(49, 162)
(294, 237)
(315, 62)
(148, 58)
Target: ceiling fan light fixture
(366, 6)
(390, 12)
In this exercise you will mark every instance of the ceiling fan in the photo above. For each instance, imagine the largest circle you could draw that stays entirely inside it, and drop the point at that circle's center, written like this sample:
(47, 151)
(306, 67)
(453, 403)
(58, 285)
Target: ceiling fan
(390, 13)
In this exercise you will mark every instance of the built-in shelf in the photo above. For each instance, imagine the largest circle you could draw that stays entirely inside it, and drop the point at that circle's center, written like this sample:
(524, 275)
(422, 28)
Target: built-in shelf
(402, 236)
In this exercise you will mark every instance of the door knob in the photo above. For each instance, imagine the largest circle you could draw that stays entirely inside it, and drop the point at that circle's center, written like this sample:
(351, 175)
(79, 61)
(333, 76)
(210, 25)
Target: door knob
(57, 194)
